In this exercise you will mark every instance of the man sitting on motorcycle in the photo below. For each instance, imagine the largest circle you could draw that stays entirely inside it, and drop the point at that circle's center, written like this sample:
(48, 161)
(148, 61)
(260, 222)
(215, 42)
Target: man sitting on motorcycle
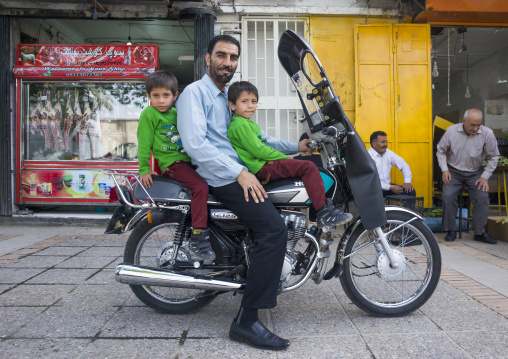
(266, 162)
(203, 119)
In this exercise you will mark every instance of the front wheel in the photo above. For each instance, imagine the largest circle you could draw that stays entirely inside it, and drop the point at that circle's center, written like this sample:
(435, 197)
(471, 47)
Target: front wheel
(151, 245)
(377, 288)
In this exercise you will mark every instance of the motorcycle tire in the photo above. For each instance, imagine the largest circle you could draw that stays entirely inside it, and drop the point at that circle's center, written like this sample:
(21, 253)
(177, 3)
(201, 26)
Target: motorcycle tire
(150, 244)
(377, 288)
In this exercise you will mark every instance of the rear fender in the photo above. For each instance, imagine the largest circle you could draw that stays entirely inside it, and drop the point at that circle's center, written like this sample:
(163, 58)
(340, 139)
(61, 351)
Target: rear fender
(124, 219)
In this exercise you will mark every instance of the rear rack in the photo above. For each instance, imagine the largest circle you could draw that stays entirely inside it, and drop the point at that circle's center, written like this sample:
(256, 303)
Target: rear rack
(115, 174)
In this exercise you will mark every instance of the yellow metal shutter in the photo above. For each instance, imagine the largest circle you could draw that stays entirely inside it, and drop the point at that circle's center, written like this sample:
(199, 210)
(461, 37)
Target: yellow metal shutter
(393, 94)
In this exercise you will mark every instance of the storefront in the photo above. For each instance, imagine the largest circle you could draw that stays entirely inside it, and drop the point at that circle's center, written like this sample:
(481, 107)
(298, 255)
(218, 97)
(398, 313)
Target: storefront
(379, 55)
(76, 68)
(469, 68)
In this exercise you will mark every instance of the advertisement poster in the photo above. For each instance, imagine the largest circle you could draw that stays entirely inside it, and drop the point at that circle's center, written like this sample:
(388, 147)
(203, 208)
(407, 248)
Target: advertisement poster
(86, 61)
(80, 183)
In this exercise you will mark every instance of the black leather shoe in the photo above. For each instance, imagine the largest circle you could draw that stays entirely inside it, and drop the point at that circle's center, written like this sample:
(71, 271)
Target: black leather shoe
(257, 336)
(450, 237)
(485, 238)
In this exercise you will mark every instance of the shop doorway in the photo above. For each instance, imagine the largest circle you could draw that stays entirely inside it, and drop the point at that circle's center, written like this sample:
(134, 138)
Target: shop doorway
(470, 70)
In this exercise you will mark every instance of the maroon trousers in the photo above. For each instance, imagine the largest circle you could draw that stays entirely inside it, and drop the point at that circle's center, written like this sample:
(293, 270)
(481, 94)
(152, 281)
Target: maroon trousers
(188, 177)
(307, 170)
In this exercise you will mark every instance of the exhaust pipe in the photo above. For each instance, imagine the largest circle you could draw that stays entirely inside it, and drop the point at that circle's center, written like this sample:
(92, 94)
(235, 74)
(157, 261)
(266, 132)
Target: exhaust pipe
(139, 275)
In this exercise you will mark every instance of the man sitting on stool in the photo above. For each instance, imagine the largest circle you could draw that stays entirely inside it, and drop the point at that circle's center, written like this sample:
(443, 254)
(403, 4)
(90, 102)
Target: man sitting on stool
(460, 154)
(385, 159)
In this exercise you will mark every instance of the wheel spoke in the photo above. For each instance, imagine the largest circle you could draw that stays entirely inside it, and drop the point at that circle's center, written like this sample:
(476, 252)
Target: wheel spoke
(391, 287)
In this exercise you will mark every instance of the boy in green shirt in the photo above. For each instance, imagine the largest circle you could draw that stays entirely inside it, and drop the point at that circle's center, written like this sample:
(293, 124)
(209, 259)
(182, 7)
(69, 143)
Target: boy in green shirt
(266, 162)
(158, 134)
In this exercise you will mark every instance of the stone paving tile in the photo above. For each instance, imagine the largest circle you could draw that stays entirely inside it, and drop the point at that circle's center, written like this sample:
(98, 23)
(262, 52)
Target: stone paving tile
(42, 348)
(114, 263)
(4, 237)
(221, 348)
(4, 287)
(368, 324)
(17, 275)
(67, 322)
(35, 295)
(214, 321)
(417, 345)
(60, 251)
(78, 242)
(318, 319)
(336, 288)
(474, 343)
(102, 252)
(13, 318)
(62, 276)
(37, 262)
(86, 262)
(477, 291)
(309, 294)
(329, 347)
(465, 314)
(96, 296)
(132, 348)
(105, 276)
(144, 322)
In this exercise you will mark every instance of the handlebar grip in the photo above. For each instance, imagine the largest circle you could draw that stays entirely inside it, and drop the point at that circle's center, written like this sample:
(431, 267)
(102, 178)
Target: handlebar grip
(312, 144)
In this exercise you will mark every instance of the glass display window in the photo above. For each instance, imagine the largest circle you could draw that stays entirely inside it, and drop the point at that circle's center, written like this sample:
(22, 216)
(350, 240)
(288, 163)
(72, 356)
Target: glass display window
(81, 121)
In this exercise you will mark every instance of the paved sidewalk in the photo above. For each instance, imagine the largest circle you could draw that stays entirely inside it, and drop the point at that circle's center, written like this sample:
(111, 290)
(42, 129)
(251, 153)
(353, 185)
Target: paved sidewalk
(59, 299)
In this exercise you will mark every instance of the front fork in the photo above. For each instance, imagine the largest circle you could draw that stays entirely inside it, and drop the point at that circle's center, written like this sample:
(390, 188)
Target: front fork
(381, 237)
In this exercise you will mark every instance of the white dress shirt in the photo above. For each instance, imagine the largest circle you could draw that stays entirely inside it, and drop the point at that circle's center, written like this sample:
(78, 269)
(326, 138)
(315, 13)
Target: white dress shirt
(384, 165)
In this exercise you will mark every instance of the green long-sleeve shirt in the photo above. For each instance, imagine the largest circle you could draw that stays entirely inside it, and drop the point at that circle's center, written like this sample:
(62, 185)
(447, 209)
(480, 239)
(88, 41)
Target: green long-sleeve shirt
(250, 144)
(157, 134)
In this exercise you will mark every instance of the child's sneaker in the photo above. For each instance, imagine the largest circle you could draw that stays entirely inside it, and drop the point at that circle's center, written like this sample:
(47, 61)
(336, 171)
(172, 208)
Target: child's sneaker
(199, 244)
(329, 215)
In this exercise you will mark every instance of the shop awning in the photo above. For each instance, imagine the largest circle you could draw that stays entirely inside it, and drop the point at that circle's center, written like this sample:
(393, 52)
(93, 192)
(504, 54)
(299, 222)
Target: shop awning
(466, 12)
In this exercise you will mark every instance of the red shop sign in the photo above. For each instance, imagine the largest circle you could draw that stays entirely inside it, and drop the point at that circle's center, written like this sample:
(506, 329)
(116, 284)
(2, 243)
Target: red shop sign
(86, 61)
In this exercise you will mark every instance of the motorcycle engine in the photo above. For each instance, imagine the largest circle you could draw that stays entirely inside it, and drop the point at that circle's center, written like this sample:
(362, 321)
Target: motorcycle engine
(295, 221)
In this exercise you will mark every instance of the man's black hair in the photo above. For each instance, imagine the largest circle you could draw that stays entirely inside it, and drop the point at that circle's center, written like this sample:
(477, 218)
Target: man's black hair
(163, 79)
(224, 38)
(236, 89)
(374, 135)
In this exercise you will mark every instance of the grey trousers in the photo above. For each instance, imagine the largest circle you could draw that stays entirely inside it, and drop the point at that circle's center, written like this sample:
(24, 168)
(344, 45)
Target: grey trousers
(479, 198)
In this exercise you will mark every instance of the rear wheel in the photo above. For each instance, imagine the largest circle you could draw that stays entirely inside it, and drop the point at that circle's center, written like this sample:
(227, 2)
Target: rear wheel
(377, 288)
(151, 245)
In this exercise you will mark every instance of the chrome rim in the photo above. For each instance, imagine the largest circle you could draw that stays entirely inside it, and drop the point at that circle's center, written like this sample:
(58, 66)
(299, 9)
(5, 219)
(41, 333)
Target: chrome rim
(154, 249)
(381, 286)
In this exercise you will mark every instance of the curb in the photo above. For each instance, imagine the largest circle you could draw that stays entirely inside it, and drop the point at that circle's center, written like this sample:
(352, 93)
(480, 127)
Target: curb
(52, 221)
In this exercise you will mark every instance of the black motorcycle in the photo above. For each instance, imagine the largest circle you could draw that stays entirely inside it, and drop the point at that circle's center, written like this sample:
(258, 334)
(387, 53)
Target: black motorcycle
(387, 259)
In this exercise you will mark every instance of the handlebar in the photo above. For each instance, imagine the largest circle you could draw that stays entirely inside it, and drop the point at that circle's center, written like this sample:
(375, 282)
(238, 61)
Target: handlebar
(334, 132)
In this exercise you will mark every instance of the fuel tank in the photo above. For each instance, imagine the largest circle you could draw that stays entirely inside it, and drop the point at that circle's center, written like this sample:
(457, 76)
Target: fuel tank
(291, 191)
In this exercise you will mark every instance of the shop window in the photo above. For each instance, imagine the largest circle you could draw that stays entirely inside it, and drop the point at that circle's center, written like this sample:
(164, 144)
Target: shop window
(80, 121)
